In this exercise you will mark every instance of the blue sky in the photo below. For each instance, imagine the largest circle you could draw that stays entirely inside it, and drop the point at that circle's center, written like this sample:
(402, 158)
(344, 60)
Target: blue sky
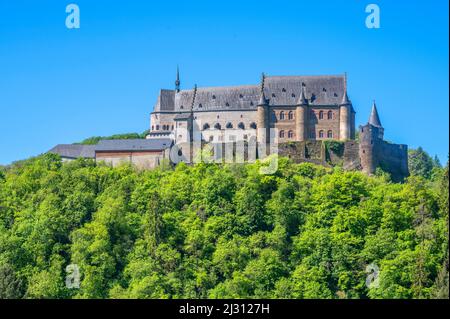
(61, 86)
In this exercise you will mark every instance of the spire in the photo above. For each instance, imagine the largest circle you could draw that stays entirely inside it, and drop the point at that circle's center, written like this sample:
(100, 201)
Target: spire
(302, 98)
(177, 82)
(345, 99)
(374, 119)
(262, 98)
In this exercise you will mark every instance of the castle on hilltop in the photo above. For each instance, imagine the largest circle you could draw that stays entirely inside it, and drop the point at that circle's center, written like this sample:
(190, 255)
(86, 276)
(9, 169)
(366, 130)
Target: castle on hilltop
(305, 112)
(311, 118)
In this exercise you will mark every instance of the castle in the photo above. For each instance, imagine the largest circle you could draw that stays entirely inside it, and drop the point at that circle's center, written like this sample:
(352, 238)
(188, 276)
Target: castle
(303, 114)
(304, 111)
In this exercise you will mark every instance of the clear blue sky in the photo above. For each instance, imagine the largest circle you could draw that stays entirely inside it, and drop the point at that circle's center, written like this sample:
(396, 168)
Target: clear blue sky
(61, 86)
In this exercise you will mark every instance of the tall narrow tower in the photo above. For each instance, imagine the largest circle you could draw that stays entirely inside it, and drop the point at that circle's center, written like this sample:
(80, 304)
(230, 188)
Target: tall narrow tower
(262, 115)
(300, 116)
(345, 109)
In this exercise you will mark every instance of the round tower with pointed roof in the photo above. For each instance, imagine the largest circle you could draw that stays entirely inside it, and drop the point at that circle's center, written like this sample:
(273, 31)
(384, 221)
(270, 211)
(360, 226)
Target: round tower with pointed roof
(300, 116)
(262, 116)
(345, 114)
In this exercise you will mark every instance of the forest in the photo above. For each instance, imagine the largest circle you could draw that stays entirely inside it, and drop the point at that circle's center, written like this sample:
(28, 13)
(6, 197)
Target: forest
(222, 231)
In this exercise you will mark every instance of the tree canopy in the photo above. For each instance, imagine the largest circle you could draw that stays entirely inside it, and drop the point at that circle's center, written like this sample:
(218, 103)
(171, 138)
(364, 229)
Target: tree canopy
(219, 231)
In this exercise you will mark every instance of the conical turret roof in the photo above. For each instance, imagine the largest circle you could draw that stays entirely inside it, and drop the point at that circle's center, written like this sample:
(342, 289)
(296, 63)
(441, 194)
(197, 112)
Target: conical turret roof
(302, 98)
(262, 99)
(374, 119)
(345, 99)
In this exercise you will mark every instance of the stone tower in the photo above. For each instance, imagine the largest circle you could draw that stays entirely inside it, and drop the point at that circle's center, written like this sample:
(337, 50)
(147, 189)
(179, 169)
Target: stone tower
(262, 117)
(371, 142)
(301, 112)
(345, 110)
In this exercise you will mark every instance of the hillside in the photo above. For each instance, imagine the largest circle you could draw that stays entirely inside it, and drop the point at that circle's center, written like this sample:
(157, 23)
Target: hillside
(213, 231)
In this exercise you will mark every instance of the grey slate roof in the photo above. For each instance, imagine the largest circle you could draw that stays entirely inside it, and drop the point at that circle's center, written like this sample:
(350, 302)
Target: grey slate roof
(278, 90)
(73, 151)
(374, 119)
(134, 145)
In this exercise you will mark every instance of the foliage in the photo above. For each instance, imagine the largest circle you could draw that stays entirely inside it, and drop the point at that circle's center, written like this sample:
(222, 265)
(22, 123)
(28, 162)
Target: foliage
(420, 163)
(219, 231)
(95, 139)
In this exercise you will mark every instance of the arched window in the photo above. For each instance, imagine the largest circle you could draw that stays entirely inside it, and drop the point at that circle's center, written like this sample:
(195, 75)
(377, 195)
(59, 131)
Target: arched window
(290, 134)
(241, 126)
(211, 138)
(291, 115)
(157, 127)
(253, 125)
(217, 126)
(330, 115)
(330, 134)
(321, 134)
(281, 134)
(153, 127)
(206, 126)
(321, 115)
(229, 125)
(281, 115)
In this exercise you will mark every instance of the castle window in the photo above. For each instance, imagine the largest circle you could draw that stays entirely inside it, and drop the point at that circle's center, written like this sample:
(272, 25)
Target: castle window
(200, 105)
(206, 126)
(330, 115)
(303, 84)
(218, 116)
(157, 127)
(241, 96)
(241, 126)
(290, 134)
(324, 89)
(245, 137)
(321, 115)
(321, 135)
(211, 138)
(251, 103)
(180, 152)
(281, 134)
(214, 97)
(253, 125)
(273, 94)
(229, 125)
(217, 126)
(283, 90)
(291, 115)
(182, 107)
(330, 134)
(172, 127)
(293, 95)
(227, 104)
(281, 115)
(153, 127)
(335, 95)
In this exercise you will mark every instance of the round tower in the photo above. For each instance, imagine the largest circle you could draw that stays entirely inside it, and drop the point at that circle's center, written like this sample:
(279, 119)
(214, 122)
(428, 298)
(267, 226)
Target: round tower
(262, 117)
(300, 117)
(344, 118)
